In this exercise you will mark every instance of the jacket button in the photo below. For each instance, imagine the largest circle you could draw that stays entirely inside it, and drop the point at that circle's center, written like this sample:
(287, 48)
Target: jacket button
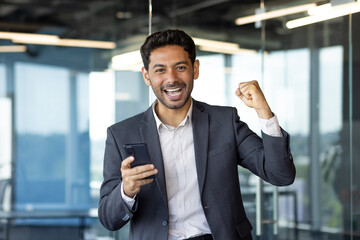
(165, 223)
(126, 217)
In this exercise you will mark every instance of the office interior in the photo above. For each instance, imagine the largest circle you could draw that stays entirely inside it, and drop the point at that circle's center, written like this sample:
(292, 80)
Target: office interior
(59, 93)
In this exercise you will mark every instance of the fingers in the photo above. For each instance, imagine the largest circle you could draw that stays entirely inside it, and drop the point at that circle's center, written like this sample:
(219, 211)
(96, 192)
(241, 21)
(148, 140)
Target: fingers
(140, 172)
(245, 98)
(247, 91)
(132, 187)
(125, 164)
(135, 178)
(250, 93)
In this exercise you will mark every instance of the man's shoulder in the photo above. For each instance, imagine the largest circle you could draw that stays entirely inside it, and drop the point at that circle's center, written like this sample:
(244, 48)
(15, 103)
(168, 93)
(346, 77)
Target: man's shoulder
(213, 109)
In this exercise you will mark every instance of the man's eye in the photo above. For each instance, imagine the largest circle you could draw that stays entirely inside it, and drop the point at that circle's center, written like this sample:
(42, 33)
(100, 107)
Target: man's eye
(159, 70)
(181, 67)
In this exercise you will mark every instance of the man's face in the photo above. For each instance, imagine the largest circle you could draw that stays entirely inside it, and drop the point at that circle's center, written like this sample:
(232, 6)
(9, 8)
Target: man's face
(171, 75)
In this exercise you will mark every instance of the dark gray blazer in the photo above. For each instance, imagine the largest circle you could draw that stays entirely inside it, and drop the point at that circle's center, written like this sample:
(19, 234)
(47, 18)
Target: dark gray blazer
(222, 142)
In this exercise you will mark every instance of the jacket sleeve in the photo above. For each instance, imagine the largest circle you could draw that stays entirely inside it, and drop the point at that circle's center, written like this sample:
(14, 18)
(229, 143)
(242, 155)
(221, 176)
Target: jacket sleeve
(267, 157)
(113, 212)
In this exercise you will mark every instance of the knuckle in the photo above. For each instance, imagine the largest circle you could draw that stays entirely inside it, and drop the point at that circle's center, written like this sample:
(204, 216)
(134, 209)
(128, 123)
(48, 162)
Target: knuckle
(136, 170)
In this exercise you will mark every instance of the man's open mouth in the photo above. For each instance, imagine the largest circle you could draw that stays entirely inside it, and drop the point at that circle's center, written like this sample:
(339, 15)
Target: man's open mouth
(173, 92)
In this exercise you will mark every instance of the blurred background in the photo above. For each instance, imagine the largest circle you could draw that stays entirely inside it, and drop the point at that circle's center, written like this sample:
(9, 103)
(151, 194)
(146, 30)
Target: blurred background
(69, 69)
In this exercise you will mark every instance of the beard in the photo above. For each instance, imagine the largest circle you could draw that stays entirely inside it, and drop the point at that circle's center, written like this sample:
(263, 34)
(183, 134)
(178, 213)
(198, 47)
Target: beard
(185, 92)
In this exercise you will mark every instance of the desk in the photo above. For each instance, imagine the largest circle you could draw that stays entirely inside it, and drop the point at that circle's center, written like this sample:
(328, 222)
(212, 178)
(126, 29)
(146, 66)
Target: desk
(82, 215)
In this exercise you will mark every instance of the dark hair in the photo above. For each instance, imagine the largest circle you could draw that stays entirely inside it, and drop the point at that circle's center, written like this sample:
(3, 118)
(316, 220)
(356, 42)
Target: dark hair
(165, 38)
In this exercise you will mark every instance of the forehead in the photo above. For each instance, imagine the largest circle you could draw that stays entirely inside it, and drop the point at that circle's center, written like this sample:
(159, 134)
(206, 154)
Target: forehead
(168, 54)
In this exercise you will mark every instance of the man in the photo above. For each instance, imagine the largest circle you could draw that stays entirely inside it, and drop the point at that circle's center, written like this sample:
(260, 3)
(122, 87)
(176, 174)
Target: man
(194, 148)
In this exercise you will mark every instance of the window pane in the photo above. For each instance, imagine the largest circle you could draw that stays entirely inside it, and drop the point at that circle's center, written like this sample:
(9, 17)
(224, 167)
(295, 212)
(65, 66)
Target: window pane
(5, 138)
(331, 72)
(52, 155)
(2, 81)
(286, 86)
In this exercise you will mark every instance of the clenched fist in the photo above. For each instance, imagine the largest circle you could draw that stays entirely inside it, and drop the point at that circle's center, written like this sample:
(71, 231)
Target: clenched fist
(251, 94)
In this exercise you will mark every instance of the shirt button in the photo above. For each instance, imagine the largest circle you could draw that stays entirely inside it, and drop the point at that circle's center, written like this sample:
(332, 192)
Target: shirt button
(165, 223)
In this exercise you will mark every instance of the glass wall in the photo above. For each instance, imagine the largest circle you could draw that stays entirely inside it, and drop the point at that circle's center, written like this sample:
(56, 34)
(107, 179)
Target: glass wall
(316, 84)
(56, 103)
(5, 128)
(51, 110)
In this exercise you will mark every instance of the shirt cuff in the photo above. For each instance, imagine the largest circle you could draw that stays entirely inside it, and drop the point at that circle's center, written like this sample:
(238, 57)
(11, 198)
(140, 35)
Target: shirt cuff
(270, 126)
(129, 202)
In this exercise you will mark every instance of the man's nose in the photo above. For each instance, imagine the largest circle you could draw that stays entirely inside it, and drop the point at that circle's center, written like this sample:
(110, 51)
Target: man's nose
(171, 76)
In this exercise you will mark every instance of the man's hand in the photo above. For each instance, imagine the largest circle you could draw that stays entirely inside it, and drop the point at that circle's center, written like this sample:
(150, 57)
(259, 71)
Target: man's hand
(251, 94)
(135, 178)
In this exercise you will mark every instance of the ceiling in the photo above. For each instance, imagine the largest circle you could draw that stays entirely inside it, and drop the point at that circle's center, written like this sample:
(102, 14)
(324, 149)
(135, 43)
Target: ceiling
(127, 21)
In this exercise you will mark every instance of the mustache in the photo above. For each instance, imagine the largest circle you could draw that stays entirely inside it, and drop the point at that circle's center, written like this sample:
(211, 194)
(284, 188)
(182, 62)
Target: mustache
(173, 85)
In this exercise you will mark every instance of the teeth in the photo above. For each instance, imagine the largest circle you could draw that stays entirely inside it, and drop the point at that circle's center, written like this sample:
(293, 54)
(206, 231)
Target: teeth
(173, 90)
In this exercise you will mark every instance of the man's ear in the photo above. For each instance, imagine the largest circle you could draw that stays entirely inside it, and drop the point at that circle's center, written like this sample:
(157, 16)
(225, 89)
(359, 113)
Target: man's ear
(146, 77)
(196, 69)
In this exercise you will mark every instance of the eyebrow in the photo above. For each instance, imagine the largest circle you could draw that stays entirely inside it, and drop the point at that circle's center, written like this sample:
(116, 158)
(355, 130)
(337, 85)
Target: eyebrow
(162, 65)
(158, 65)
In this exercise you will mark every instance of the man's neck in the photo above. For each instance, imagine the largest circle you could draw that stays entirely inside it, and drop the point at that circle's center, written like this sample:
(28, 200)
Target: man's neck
(172, 117)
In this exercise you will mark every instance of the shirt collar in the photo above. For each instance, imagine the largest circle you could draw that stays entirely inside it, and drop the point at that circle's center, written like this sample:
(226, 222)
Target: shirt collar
(159, 123)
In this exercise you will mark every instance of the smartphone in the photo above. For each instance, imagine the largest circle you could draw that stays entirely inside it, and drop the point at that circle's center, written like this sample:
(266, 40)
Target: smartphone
(139, 151)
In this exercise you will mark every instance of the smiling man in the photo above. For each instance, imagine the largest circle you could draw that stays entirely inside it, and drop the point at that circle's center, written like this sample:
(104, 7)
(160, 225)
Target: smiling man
(195, 149)
(171, 75)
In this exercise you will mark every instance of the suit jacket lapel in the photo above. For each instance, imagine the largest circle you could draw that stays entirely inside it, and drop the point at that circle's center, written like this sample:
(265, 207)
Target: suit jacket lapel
(150, 136)
(200, 121)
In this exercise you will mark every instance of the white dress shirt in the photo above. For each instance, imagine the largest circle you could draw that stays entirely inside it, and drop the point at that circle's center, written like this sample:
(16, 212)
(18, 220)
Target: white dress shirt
(186, 216)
